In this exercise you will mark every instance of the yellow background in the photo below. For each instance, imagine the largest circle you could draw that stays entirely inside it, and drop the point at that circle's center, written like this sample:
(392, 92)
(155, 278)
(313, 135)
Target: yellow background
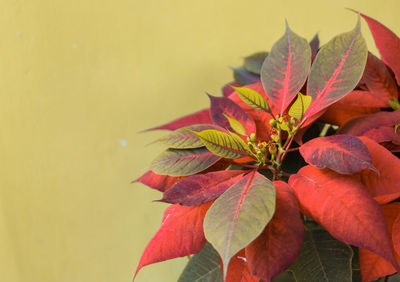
(80, 78)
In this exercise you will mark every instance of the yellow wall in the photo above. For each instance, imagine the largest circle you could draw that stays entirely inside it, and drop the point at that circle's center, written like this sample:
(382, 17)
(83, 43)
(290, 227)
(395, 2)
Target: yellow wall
(79, 76)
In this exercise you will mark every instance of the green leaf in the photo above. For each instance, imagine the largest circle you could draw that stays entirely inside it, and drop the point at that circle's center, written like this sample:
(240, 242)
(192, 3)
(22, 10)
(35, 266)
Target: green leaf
(252, 98)
(239, 215)
(183, 139)
(177, 162)
(337, 69)
(237, 126)
(222, 144)
(253, 63)
(203, 267)
(285, 69)
(323, 258)
(300, 106)
(243, 77)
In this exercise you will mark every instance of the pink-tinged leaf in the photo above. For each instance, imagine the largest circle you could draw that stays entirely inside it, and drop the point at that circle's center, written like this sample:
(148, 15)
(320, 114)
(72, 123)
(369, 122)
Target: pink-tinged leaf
(344, 208)
(383, 134)
(396, 232)
(361, 125)
(362, 99)
(285, 70)
(239, 271)
(314, 45)
(387, 43)
(176, 162)
(158, 182)
(378, 79)
(196, 118)
(181, 234)
(383, 186)
(202, 188)
(373, 266)
(280, 243)
(227, 90)
(344, 154)
(239, 215)
(223, 105)
(337, 69)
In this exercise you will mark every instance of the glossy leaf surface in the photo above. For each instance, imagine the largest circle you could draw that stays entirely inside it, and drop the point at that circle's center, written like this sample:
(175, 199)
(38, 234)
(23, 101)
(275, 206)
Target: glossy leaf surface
(223, 144)
(344, 154)
(337, 69)
(221, 106)
(156, 181)
(344, 208)
(239, 215)
(183, 139)
(181, 234)
(280, 243)
(322, 258)
(203, 267)
(300, 106)
(202, 117)
(387, 43)
(198, 189)
(285, 69)
(176, 162)
(252, 98)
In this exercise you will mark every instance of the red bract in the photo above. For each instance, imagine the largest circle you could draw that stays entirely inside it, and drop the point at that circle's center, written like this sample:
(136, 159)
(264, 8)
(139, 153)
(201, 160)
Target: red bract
(224, 169)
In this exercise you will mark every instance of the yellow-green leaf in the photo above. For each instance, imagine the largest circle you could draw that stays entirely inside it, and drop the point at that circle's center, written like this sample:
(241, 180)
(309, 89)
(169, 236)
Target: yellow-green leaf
(300, 106)
(222, 144)
(237, 126)
(252, 98)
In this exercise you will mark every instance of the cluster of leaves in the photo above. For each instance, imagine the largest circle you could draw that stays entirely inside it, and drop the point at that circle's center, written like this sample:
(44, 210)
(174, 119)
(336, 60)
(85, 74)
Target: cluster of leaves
(294, 173)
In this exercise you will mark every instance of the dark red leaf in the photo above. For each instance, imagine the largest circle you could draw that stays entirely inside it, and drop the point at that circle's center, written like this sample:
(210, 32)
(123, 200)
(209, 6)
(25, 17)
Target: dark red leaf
(387, 43)
(158, 182)
(378, 80)
(344, 208)
(314, 44)
(280, 243)
(181, 234)
(344, 154)
(396, 233)
(195, 118)
(239, 271)
(197, 189)
(223, 105)
(384, 186)
(339, 113)
(359, 126)
(227, 90)
(373, 266)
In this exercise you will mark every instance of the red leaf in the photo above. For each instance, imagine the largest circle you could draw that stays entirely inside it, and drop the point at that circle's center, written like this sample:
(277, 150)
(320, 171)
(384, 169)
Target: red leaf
(359, 126)
(280, 243)
(344, 154)
(195, 118)
(228, 90)
(378, 80)
(396, 233)
(223, 105)
(340, 113)
(314, 44)
(285, 69)
(197, 189)
(373, 266)
(239, 271)
(181, 234)
(384, 186)
(344, 208)
(158, 182)
(387, 43)
(336, 70)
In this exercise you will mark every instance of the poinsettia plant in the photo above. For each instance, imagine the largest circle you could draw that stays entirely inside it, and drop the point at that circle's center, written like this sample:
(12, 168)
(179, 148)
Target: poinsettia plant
(293, 174)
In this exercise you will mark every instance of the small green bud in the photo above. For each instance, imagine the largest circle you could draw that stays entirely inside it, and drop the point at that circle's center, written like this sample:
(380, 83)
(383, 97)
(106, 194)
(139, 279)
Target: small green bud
(253, 137)
(272, 123)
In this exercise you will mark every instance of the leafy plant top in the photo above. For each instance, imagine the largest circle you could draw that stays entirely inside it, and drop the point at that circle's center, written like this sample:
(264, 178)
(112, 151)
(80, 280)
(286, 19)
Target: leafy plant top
(294, 173)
